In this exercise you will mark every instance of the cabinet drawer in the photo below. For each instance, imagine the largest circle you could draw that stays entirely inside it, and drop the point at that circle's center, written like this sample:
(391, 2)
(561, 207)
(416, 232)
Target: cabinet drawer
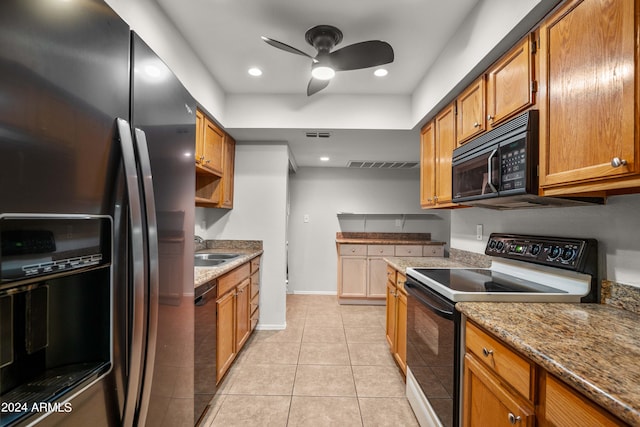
(255, 264)
(565, 407)
(255, 300)
(513, 369)
(232, 278)
(348, 249)
(433, 250)
(380, 250)
(409, 250)
(400, 279)
(255, 283)
(391, 274)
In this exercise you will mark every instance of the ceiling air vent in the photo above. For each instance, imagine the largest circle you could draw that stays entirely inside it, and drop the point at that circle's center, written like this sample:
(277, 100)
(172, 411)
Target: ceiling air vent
(318, 134)
(359, 164)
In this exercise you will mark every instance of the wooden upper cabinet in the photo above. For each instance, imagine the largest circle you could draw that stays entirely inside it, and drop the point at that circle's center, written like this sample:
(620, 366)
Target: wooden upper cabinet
(428, 165)
(445, 137)
(226, 198)
(589, 97)
(511, 85)
(199, 137)
(437, 141)
(470, 112)
(215, 164)
(213, 147)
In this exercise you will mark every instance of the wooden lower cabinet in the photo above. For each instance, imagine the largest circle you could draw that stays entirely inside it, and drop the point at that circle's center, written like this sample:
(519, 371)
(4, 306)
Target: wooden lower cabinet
(488, 402)
(503, 388)
(396, 317)
(564, 407)
(225, 334)
(237, 309)
(362, 269)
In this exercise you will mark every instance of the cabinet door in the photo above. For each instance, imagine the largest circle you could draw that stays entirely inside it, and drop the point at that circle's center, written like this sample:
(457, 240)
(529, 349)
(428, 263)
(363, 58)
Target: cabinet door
(213, 147)
(511, 84)
(400, 347)
(486, 402)
(470, 112)
(225, 333)
(199, 137)
(391, 315)
(564, 407)
(428, 165)
(226, 201)
(377, 278)
(589, 95)
(353, 277)
(445, 143)
(243, 313)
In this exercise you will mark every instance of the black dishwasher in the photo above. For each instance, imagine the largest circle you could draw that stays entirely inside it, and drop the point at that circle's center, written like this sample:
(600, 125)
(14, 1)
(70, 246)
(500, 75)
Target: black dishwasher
(204, 374)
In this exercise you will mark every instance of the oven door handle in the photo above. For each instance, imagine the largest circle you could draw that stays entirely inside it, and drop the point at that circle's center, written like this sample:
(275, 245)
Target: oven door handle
(490, 171)
(420, 296)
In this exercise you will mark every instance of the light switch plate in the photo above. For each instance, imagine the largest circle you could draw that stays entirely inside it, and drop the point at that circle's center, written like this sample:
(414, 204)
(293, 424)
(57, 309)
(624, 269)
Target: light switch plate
(479, 232)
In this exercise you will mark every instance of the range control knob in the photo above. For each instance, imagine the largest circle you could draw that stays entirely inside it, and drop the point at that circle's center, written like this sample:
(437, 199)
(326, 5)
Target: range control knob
(568, 254)
(500, 245)
(493, 244)
(535, 250)
(555, 252)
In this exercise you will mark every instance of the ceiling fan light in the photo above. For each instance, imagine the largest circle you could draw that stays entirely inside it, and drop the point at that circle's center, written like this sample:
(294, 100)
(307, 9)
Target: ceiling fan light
(381, 72)
(322, 72)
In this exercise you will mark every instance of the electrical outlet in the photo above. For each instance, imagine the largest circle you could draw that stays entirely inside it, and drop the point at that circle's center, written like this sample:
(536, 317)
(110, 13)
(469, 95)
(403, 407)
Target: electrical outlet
(479, 232)
(305, 218)
(398, 223)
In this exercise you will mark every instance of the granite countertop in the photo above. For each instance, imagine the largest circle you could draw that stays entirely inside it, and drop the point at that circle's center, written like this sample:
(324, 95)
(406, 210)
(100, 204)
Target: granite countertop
(386, 238)
(402, 263)
(204, 274)
(594, 348)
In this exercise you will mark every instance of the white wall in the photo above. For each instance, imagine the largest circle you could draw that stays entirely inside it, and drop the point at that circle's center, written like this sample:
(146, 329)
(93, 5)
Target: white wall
(323, 192)
(259, 213)
(149, 22)
(490, 29)
(615, 225)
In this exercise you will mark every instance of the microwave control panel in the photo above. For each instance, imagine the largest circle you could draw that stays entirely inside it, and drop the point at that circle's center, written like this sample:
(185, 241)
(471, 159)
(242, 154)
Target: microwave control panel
(513, 166)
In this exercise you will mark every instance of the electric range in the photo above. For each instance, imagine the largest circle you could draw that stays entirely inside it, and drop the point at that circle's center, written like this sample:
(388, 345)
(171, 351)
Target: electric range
(524, 269)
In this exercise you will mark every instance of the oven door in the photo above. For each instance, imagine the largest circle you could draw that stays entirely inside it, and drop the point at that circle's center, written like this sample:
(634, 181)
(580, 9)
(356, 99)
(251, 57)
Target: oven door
(477, 175)
(432, 351)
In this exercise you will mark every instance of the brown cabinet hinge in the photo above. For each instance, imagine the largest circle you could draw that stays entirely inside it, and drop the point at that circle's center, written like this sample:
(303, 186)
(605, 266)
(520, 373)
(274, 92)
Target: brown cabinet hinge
(534, 86)
(534, 46)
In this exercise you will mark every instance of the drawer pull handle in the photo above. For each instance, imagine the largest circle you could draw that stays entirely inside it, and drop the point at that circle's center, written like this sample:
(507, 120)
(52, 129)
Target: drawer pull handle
(513, 419)
(486, 352)
(616, 162)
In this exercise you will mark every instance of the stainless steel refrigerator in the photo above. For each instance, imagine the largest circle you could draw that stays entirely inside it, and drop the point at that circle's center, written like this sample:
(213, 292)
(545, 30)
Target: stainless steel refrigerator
(96, 222)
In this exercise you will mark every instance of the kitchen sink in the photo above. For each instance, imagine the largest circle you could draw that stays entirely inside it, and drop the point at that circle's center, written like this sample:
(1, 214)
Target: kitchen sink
(211, 260)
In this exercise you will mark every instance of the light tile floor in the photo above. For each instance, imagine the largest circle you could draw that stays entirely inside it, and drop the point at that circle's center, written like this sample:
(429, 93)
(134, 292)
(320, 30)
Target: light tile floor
(330, 367)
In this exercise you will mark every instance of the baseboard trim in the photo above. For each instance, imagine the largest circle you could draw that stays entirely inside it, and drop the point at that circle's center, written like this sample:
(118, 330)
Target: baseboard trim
(271, 327)
(315, 293)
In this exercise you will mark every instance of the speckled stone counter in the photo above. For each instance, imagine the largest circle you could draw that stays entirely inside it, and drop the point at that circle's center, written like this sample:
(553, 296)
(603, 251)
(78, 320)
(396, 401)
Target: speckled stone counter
(594, 348)
(386, 238)
(248, 249)
(457, 259)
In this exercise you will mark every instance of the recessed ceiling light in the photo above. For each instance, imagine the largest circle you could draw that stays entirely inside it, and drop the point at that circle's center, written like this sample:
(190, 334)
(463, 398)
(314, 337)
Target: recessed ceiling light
(380, 72)
(324, 159)
(255, 71)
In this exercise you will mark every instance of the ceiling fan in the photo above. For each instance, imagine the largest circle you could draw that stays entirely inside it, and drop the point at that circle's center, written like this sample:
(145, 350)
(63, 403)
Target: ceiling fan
(324, 65)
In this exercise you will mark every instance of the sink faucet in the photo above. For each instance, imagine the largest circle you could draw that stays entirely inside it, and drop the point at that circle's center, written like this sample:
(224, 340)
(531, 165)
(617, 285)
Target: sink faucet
(198, 239)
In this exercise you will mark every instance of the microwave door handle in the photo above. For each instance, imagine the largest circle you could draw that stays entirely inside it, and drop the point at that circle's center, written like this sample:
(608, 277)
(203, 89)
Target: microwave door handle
(490, 171)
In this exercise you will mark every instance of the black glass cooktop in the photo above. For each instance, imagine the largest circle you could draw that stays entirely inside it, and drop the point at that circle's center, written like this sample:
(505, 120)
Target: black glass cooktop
(481, 280)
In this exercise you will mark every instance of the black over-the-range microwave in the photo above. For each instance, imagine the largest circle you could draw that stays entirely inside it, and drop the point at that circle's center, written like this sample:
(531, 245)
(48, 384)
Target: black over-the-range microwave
(499, 169)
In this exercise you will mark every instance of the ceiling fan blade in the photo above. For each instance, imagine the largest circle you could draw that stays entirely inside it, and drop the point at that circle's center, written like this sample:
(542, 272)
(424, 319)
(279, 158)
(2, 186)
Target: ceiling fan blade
(316, 85)
(286, 47)
(362, 55)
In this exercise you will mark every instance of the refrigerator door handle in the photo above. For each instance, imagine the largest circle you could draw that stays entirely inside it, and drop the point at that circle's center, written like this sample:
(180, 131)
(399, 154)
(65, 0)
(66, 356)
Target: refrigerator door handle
(142, 150)
(136, 367)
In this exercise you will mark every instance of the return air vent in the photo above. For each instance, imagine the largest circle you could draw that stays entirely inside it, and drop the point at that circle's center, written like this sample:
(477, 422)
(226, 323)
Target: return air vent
(312, 134)
(359, 164)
